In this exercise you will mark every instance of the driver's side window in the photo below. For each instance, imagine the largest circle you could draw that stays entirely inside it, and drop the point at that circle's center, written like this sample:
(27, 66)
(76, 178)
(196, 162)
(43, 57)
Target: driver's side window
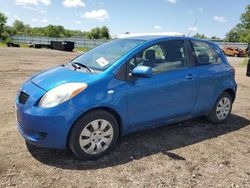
(147, 57)
(162, 57)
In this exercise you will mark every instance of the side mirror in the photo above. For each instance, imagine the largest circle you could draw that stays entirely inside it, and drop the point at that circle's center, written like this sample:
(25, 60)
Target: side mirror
(142, 71)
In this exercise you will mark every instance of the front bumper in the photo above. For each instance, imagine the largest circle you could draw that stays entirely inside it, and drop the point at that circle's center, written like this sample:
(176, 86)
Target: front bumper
(44, 131)
(44, 127)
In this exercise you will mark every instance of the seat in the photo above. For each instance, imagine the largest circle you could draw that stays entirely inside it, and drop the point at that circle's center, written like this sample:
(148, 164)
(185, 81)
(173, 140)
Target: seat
(173, 55)
(203, 59)
(174, 58)
(150, 55)
(149, 58)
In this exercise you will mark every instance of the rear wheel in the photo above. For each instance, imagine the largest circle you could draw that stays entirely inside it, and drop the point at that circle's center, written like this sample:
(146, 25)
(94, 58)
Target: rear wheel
(221, 109)
(93, 135)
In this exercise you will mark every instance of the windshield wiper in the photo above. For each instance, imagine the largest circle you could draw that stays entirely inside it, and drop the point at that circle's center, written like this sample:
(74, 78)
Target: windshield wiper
(78, 65)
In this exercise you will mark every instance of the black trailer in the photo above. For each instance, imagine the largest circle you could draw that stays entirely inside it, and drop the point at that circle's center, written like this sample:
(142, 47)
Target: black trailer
(62, 45)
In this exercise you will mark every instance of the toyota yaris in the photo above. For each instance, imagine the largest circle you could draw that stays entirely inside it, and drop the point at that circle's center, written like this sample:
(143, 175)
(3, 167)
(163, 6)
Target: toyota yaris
(122, 86)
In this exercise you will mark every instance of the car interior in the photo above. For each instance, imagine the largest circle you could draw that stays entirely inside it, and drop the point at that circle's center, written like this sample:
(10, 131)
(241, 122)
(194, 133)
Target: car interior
(161, 57)
(204, 54)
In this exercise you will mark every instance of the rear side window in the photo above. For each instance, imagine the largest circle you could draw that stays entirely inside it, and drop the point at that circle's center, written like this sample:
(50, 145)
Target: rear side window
(204, 54)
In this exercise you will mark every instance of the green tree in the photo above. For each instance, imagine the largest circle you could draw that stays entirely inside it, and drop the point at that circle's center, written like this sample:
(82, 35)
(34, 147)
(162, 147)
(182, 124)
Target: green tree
(233, 35)
(55, 31)
(241, 32)
(94, 33)
(245, 36)
(99, 33)
(245, 18)
(18, 27)
(215, 38)
(104, 32)
(3, 20)
(27, 29)
(200, 36)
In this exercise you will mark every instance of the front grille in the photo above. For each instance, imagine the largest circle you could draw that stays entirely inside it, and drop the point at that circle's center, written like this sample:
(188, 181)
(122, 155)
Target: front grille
(23, 97)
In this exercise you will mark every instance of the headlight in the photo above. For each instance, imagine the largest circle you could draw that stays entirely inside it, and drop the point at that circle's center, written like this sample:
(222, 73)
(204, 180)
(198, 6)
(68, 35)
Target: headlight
(61, 94)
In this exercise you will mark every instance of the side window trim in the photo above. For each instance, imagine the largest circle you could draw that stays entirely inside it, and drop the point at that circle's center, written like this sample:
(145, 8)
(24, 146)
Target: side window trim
(122, 72)
(191, 60)
(195, 62)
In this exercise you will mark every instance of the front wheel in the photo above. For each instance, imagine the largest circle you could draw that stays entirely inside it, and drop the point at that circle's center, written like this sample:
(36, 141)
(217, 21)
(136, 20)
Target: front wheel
(93, 135)
(221, 109)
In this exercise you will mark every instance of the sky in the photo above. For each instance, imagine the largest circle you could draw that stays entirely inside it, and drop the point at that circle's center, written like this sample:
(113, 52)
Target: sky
(212, 17)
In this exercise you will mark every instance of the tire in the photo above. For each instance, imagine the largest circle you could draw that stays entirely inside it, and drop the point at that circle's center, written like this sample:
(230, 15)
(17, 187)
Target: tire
(235, 55)
(93, 135)
(220, 114)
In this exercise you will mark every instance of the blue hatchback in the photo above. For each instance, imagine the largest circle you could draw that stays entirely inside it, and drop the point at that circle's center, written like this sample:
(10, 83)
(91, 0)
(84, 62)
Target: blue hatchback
(123, 86)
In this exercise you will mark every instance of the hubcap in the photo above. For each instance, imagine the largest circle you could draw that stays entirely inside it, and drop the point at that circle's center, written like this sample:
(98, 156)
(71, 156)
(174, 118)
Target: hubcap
(223, 108)
(96, 136)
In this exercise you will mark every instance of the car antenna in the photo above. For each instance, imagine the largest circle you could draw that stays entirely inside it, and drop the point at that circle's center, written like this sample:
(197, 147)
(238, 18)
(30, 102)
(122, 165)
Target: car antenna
(192, 28)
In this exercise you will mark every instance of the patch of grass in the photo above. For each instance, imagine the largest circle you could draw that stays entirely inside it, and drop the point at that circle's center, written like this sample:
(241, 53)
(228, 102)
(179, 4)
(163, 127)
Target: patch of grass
(23, 45)
(244, 62)
(82, 49)
(2, 44)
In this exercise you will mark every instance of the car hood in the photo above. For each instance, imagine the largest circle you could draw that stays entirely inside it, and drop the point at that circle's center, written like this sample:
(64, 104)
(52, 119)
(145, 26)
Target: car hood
(59, 75)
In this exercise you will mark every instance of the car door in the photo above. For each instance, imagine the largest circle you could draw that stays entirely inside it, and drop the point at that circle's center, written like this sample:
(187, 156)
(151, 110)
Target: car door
(171, 91)
(210, 73)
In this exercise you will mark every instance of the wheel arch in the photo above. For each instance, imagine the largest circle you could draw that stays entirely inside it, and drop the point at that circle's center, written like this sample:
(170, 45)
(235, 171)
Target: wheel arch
(107, 109)
(231, 92)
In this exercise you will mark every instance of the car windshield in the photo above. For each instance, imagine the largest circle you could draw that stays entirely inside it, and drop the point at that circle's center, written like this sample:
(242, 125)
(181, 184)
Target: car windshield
(101, 57)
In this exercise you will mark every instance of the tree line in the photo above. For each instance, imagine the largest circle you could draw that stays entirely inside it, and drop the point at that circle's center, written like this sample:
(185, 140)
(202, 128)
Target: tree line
(240, 33)
(19, 28)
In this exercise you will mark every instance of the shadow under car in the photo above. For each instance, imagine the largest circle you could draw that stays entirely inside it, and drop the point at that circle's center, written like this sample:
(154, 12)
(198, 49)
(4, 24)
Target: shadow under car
(144, 143)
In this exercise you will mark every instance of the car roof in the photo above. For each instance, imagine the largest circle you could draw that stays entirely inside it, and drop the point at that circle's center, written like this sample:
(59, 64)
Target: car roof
(149, 36)
(156, 36)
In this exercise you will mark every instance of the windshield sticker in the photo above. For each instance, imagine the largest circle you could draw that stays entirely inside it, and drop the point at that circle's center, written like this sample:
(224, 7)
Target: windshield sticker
(102, 61)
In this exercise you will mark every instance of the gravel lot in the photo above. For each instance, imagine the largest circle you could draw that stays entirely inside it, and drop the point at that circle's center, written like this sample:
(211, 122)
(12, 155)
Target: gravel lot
(193, 153)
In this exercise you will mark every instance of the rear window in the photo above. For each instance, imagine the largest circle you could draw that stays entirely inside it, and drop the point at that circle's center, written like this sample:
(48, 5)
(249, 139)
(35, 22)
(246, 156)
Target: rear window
(205, 54)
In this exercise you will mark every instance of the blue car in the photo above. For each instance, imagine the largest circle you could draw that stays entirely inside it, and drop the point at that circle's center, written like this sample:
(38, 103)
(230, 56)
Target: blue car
(123, 86)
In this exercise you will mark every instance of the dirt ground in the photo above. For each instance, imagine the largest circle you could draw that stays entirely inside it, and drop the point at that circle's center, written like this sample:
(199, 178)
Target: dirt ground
(194, 153)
